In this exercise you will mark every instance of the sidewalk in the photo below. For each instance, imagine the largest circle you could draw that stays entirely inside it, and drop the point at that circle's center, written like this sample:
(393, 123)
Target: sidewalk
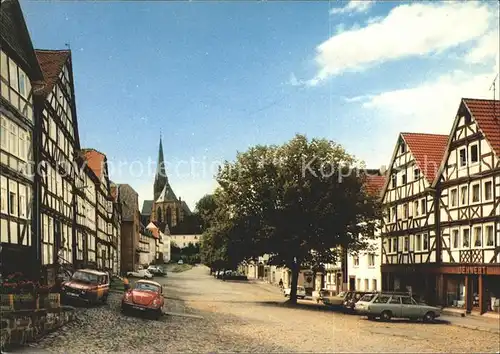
(473, 322)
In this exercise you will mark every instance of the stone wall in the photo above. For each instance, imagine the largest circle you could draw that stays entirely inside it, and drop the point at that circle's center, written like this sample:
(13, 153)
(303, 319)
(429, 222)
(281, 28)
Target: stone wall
(19, 327)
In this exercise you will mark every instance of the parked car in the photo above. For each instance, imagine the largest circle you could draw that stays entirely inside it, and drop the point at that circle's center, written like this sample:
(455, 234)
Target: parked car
(86, 285)
(301, 292)
(155, 270)
(335, 300)
(141, 273)
(146, 296)
(389, 305)
(353, 297)
(180, 261)
(319, 295)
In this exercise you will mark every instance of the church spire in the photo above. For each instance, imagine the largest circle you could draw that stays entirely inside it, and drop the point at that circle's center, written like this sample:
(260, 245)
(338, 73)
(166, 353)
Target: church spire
(161, 178)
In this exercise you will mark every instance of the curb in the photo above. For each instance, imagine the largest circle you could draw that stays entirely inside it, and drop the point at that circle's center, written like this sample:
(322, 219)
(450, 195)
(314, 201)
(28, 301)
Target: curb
(476, 328)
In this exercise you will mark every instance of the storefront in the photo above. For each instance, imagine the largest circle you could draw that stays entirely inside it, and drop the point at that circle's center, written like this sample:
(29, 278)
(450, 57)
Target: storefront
(472, 288)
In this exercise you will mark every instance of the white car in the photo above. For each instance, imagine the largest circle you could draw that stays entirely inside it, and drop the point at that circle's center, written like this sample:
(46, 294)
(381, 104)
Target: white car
(141, 273)
(301, 292)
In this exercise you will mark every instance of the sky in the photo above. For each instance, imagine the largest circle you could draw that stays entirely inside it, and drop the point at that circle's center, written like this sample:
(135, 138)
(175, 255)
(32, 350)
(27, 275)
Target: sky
(215, 78)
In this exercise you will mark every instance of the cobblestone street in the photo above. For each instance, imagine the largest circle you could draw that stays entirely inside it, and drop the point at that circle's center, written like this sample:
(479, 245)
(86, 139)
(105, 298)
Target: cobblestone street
(249, 317)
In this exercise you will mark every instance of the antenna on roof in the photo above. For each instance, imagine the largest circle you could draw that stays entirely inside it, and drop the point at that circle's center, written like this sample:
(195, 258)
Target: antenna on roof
(493, 86)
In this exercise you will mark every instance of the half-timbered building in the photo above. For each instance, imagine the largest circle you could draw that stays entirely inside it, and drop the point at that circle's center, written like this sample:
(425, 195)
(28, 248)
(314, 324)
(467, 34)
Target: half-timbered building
(409, 247)
(57, 140)
(85, 215)
(20, 77)
(107, 231)
(469, 208)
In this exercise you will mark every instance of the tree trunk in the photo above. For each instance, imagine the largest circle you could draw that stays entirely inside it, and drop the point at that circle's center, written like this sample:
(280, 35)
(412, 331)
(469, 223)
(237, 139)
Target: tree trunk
(293, 286)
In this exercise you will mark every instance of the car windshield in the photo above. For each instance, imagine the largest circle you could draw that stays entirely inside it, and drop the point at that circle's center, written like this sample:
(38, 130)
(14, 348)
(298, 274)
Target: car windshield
(85, 277)
(147, 287)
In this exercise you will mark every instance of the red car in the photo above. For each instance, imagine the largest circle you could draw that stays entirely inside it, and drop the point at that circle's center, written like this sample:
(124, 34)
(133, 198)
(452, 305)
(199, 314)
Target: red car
(145, 296)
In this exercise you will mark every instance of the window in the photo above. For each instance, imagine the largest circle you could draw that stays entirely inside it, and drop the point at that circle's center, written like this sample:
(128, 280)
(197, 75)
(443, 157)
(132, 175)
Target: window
(22, 201)
(22, 84)
(462, 157)
(389, 248)
(406, 244)
(418, 242)
(405, 211)
(477, 236)
(395, 300)
(358, 285)
(415, 208)
(394, 181)
(423, 206)
(381, 299)
(474, 153)
(356, 261)
(455, 238)
(488, 192)
(13, 79)
(4, 67)
(371, 260)
(453, 197)
(3, 194)
(406, 300)
(394, 244)
(463, 195)
(466, 238)
(367, 284)
(4, 134)
(13, 140)
(402, 148)
(23, 144)
(475, 193)
(425, 242)
(374, 284)
(416, 174)
(403, 178)
(489, 235)
(12, 198)
(394, 214)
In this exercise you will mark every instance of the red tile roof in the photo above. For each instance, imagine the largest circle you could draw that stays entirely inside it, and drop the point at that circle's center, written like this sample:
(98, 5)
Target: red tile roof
(51, 62)
(487, 115)
(95, 160)
(428, 151)
(374, 184)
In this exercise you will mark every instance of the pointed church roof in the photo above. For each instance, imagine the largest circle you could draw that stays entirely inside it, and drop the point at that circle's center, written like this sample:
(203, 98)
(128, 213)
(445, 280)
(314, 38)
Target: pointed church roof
(167, 194)
(161, 178)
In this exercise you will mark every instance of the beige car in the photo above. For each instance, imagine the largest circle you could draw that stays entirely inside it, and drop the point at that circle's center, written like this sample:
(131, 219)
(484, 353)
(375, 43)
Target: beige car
(335, 300)
(389, 305)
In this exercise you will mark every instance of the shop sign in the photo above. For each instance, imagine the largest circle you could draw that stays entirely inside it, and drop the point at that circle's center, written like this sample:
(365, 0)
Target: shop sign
(472, 270)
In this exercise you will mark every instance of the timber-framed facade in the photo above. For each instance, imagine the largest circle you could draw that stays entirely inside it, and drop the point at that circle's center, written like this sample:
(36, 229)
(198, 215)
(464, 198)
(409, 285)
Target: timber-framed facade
(409, 234)
(20, 78)
(57, 142)
(469, 208)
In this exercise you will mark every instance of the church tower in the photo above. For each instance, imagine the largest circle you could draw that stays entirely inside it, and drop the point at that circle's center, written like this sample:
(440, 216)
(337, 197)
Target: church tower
(167, 209)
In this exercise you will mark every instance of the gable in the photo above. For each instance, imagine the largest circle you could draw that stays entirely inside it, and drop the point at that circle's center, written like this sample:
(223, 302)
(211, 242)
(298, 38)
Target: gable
(487, 115)
(15, 37)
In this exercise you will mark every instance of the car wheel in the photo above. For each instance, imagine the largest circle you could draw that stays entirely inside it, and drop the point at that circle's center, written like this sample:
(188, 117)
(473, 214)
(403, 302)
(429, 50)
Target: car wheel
(429, 316)
(386, 316)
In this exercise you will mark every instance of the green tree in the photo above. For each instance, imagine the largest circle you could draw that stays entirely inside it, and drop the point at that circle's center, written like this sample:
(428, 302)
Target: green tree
(206, 209)
(298, 202)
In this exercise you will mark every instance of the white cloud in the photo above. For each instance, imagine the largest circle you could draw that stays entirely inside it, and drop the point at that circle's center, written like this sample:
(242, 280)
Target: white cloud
(407, 31)
(353, 7)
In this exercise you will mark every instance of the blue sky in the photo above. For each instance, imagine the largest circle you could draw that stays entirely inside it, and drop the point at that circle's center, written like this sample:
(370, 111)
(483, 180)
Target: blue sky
(218, 77)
